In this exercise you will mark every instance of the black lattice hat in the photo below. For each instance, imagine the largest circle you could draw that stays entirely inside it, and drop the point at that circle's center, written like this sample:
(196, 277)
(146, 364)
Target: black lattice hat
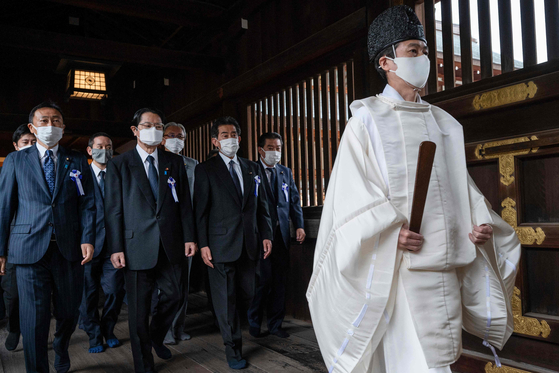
(394, 25)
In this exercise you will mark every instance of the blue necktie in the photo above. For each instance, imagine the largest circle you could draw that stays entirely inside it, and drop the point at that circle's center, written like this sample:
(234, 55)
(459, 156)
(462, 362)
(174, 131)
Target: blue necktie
(48, 168)
(273, 182)
(153, 177)
(235, 178)
(102, 183)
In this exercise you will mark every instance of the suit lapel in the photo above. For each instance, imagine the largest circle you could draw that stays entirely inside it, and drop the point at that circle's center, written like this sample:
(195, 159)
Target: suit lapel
(62, 170)
(139, 172)
(34, 162)
(248, 180)
(280, 176)
(225, 176)
(165, 171)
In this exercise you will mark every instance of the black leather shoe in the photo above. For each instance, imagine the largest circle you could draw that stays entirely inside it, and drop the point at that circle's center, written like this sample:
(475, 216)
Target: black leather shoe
(162, 351)
(255, 332)
(280, 333)
(12, 341)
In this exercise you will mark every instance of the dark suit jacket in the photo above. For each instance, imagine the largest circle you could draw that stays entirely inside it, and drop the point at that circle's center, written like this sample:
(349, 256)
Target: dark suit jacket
(25, 194)
(134, 223)
(288, 204)
(225, 222)
(100, 223)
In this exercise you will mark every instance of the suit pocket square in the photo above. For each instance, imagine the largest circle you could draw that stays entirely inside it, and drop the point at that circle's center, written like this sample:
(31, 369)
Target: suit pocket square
(21, 229)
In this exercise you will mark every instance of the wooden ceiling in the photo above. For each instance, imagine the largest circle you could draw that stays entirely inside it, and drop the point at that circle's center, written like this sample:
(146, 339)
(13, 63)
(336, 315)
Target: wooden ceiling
(133, 37)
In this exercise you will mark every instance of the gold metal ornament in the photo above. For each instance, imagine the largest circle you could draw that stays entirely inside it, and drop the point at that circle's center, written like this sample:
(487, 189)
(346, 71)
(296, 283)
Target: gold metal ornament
(526, 235)
(504, 96)
(492, 368)
(506, 160)
(527, 325)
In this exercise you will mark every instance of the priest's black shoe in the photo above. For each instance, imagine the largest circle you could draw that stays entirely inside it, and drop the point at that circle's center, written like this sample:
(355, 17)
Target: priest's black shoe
(162, 351)
(12, 341)
(280, 333)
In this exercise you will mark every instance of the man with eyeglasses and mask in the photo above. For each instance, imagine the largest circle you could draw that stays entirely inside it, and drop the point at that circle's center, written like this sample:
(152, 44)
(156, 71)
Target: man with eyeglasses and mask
(233, 225)
(150, 230)
(49, 190)
(100, 274)
(173, 141)
(383, 298)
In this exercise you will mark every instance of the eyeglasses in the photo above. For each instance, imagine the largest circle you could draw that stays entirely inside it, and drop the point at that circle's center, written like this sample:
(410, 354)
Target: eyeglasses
(158, 126)
(173, 136)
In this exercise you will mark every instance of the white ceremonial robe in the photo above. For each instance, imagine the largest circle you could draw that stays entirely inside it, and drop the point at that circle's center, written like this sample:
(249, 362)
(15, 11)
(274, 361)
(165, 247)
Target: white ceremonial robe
(449, 285)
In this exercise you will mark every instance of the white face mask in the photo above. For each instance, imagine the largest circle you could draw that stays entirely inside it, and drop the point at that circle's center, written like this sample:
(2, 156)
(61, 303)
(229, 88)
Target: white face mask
(174, 145)
(25, 147)
(229, 147)
(151, 136)
(49, 135)
(413, 70)
(272, 157)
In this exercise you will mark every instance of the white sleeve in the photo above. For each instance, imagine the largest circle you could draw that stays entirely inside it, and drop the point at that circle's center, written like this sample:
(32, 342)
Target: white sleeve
(364, 116)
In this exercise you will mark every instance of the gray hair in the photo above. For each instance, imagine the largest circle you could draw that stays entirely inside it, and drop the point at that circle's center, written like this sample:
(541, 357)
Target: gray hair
(173, 124)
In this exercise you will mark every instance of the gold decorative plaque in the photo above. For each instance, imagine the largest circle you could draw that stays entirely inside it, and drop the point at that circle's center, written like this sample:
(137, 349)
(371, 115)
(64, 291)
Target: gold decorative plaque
(506, 160)
(505, 96)
(526, 235)
(527, 325)
(491, 368)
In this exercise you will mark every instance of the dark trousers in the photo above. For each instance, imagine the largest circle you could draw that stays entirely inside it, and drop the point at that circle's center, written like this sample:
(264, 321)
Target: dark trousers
(101, 274)
(177, 326)
(11, 298)
(232, 284)
(270, 288)
(56, 276)
(166, 277)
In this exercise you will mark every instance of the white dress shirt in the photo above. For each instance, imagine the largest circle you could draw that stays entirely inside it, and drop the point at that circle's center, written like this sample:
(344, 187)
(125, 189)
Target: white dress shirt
(43, 156)
(97, 172)
(144, 155)
(236, 167)
(364, 116)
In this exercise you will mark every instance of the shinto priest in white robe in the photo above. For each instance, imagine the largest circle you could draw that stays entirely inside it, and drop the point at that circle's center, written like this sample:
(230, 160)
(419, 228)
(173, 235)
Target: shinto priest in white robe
(360, 277)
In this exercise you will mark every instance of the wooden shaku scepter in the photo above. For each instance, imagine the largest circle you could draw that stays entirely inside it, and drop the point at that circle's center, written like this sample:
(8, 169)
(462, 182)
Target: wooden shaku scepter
(422, 176)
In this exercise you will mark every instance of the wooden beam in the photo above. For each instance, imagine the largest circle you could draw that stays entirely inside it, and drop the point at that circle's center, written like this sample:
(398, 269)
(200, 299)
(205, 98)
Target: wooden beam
(113, 51)
(465, 42)
(552, 28)
(505, 33)
(485, 51)
(448, 44)
(430, 35)
(161, 10)
(528, 21)
(329, 39)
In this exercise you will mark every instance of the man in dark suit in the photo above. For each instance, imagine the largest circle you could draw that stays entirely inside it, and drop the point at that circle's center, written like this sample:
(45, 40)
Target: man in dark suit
(100, 272)
(22, 139)
(50, 191)
(173, 140)
(149, 229)
(283, 202)
(231, 209)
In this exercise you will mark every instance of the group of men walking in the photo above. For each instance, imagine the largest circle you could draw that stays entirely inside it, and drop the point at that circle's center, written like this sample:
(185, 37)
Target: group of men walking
(131, 225)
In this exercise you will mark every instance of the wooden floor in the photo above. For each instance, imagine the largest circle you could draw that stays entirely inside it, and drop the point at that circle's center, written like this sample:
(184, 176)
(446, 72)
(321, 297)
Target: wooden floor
(203, 353)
